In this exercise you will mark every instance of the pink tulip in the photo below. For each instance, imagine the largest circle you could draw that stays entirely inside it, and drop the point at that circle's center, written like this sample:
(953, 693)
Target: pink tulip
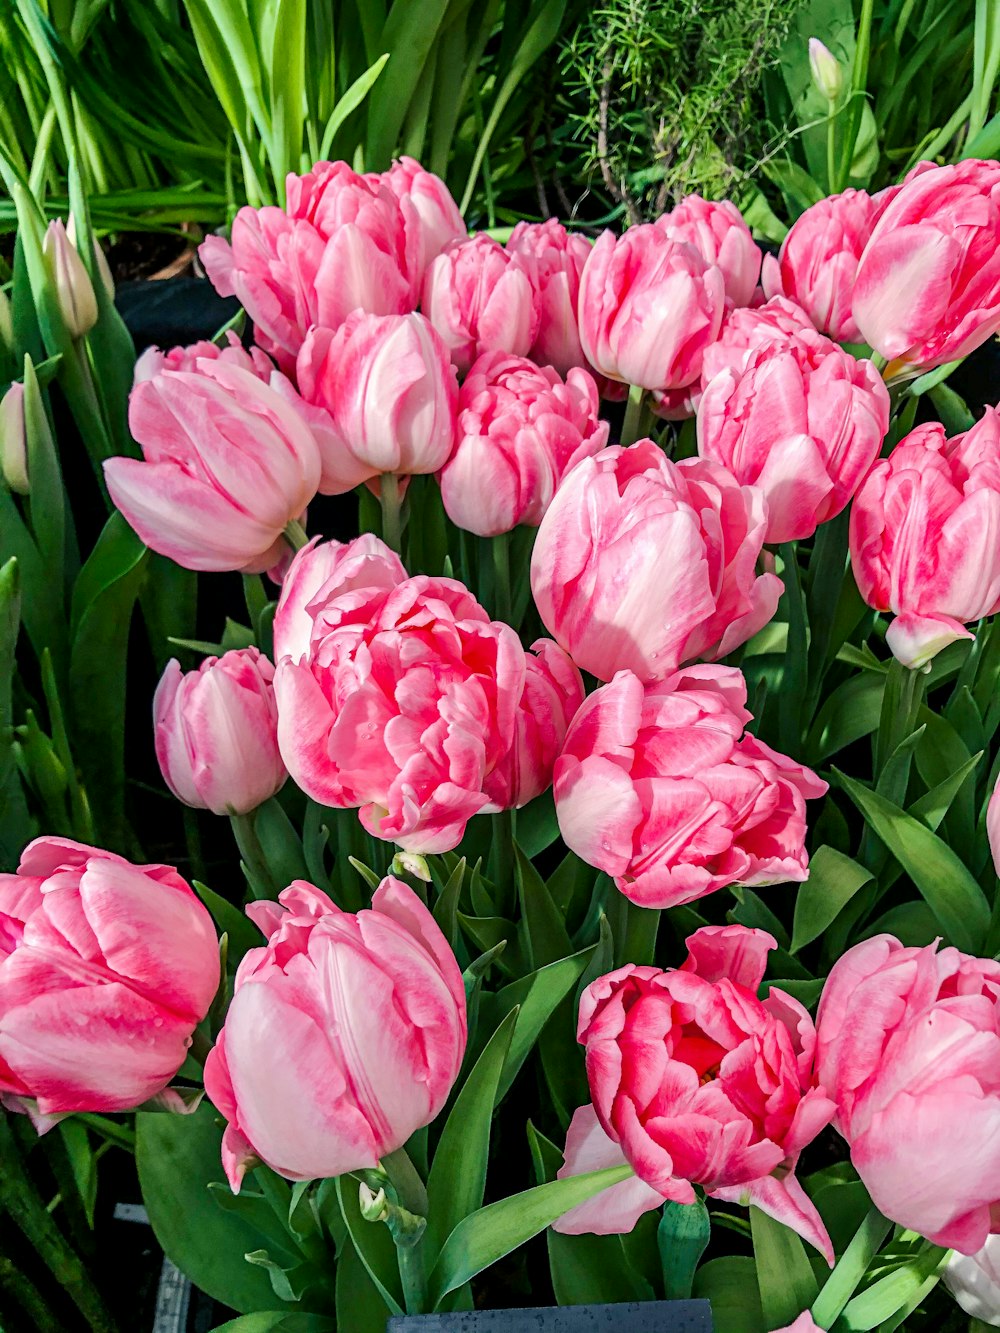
(745, 330)
(803, 422)
(649, 306)
(216, 732)
(387, 397)
(69, 280)
(481, 298)
(520, 430)
(660, 788)
(909, 1049)
(804, 1324)
(719, 234)
(229, 463)
(818, 262)
(993, 825)
(152, 360)
(928, 285)
(924, 539)
(430, 214)
(558, 257)
(340, 245)
(698, 1082)
(106, 968)
(647, 564)
(345, 1034)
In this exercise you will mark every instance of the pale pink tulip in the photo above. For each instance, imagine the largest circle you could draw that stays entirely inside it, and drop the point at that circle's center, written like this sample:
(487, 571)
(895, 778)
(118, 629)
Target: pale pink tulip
(698, 1082)
(216, 732)
(481, 298)
(106, 968)
(717, 231)
(804, 1324)
(928, 284)
(649, 306)
(925, 536)
(387, 397)
(909, 1048)
(344, 1036)
(14, 440)
(153, 360)
(71, 284)
(803, 422)
(520, 430)
(228, 464)
(430, 214)
(974, 1281)
(660, 788)
(647, 564)
(993, 825)
(558, 258)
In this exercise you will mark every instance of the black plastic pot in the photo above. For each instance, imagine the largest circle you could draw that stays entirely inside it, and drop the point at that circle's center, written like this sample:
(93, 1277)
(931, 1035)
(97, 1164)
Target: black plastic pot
(644, 1317)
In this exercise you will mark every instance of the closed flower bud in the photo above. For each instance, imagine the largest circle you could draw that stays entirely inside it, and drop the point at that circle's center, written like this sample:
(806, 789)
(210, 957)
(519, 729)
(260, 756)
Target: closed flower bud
(13, 440)
(826, 72)
(100, 259)
(74, 290)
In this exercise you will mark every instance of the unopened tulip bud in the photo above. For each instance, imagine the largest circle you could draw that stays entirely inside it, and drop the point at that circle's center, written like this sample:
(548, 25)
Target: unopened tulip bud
(6, 324)
(103, 267)
(13, 441)
(74, 290)
(374, 1207)
(411, 863)
(827, 74)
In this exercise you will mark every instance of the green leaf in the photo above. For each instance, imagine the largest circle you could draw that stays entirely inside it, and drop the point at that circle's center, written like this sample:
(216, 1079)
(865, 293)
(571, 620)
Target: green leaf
(82, 1162)
(537, 826)
(280, 1321)
(730, 1284)
(350, 101)
(374, 1245)
(850, 712)
(787, 1283)
(682, 1236)
(287, 88)
(593, 1270)
(945, 883)
(485, 1237)
(883, 1298)
(409, 34)
(47, 504)
(15, 826)
(833, 880)
(243, 934)
(546, 931)
(840, 1285)
(360, 1307)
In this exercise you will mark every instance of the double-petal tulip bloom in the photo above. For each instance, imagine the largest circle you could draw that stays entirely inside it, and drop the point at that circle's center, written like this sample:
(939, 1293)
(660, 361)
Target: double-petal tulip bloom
(344, 1035)
(649, 306)
(717, 231)
(430, 215)
(645, 564)
(925, 536)
(216, 732)
(558, 257)
(229, 463)
(660, 788)
(909, 1049)
(928, 286)
(106, 968)
(153, 360)
(698, 1082)
(804, 422)
(401, 696)
(387, 395)
(341, 244)
(818, 262)
(481, 298)
(520, 430)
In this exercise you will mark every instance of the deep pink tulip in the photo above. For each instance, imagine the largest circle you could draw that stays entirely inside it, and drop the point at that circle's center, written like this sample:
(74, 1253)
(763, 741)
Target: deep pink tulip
(106, 968)
(481, 298)
(345, 1034)
(647, 564)
(228, 464)
(698, 1082)
(804, 422)
(909, 1049)
(719, 234)
(153, 360)
(558, 257)
(818, 262)
(216, 732)
(520, 430)
(928, 285)
(660, 788)
(387, 397)
(649, 306)
(924, 541)
(430, 214)
(340, 245)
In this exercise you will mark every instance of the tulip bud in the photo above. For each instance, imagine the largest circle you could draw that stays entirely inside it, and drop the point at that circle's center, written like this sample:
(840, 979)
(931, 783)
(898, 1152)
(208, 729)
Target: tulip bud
(74, 290)
(6, 324)
(13, 440)
(374, 1207)
(411, 863)
(827, 74)
(103, 268)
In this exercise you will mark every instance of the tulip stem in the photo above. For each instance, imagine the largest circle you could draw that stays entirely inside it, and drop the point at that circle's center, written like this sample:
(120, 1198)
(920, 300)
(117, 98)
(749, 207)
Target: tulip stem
(501, 571)
(258, 872)
(412, 1195)
(392, 505)
(295, 534)
(633, 414)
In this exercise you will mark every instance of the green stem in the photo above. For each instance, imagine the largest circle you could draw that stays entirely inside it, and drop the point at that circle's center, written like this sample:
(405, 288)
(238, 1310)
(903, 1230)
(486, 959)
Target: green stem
(21, 1288)
(501, 573)
(633, 414)
(412, 1196)
(295, 534)
(392, 507)
(502, 856)
(262, 883)
(878, 361)
(859, 82)
(831, 148)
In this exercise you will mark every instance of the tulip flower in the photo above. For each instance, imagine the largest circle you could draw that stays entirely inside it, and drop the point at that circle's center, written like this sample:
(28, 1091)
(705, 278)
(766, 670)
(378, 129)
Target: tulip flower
(908, 1048)
(558, 257)
(344, 1036)
(70, 279)
(826, 72)
(649, 306)
(233, 353)
(481, 298)
(974, 1281)
(645, 564)
(660, 788)
(804, 1324)
(803, 422)
(922, 536)
(430, 215)
(387, 395)
(520, 430)
(228, 464)
(719, 234)
(698, 1082)
(928, 284)
(993, 825)
(14, 440)
(216, 732)
(106, 968)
